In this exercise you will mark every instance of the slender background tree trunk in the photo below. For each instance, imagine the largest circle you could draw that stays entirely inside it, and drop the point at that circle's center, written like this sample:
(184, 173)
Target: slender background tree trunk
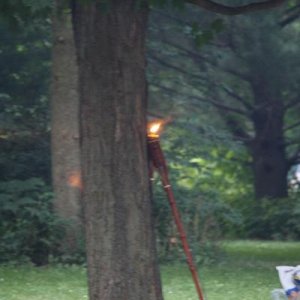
(118, 214)
(65, 126)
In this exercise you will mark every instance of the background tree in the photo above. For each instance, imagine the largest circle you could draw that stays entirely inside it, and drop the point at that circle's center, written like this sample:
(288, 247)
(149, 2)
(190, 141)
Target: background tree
(66, 171)
(64, 102)
(264, 85)
(247, 87)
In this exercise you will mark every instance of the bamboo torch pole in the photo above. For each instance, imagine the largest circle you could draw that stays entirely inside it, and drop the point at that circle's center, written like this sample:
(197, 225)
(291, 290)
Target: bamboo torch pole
(159, 163)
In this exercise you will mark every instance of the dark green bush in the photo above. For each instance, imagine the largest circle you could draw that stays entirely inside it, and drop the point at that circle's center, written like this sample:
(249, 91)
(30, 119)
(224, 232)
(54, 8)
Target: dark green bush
(274, 218)
(206, 219)
(28, 227)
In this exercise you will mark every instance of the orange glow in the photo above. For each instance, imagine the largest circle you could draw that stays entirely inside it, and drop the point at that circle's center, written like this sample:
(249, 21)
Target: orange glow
(74, 180)
(154, 128)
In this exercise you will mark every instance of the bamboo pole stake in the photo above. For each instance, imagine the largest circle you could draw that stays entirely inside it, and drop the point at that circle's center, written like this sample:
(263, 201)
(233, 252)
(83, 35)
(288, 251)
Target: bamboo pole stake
(159, 163)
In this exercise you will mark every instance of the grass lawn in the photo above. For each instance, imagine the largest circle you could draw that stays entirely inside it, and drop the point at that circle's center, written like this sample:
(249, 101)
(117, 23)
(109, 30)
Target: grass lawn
(247, 273)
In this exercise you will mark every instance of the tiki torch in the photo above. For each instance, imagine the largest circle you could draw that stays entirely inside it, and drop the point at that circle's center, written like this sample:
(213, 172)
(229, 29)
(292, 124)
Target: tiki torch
(158, 162)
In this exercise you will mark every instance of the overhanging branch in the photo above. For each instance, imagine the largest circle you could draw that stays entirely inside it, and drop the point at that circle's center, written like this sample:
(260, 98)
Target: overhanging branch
(291, 143)
(239, 133)
(291, 15)
(176, 68)
(196, 56)
(211, 101)
(292, 103)
(236, 10)
(292, 126)
(236, 129)
(236, 96)
(289, 20)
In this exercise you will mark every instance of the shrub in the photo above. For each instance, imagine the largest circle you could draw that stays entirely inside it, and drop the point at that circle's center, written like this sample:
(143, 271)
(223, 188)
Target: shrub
(28, 227)
(206, 219)
(275, 219)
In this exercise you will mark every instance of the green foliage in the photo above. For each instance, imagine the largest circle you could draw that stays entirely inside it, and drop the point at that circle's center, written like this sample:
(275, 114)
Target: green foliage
(205, 194)
(24, 107)
(158, 3)
(24, 80)
(205, 36)
(37, 6)
(28, 227)
(202, 154)
(274, 219)
(25, 157)
(177, 4)
(17, 12)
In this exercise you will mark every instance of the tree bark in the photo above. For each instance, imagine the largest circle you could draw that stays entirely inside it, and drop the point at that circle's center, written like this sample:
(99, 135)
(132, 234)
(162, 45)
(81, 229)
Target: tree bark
(270, 163)
(118, 214)
(64, 126)
(270, 170)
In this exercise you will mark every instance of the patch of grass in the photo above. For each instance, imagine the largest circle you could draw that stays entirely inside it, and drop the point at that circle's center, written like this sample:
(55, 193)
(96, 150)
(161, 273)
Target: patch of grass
(220, 283)
(263, 251)
(49, 283)
(247, 273)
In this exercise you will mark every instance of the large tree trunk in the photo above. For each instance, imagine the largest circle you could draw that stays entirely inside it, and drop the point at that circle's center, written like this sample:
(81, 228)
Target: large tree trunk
(270, 170)
(64, 126)
(268, 150)
(118, 214)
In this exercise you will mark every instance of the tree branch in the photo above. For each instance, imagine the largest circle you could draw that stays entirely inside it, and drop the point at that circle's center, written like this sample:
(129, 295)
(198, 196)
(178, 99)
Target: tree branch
(289, 20)
(205, 100)
(292, 126)
(196, 57)
(292, 14)
(234, 95)
(236, 10)
(291, 143)
(187, 52)
(176, 68)
(227, 108)
(236, 129)
(292, 103)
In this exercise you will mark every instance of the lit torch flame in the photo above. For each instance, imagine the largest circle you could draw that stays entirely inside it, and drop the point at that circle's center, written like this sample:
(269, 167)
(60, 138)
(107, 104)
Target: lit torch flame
(154, 128)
